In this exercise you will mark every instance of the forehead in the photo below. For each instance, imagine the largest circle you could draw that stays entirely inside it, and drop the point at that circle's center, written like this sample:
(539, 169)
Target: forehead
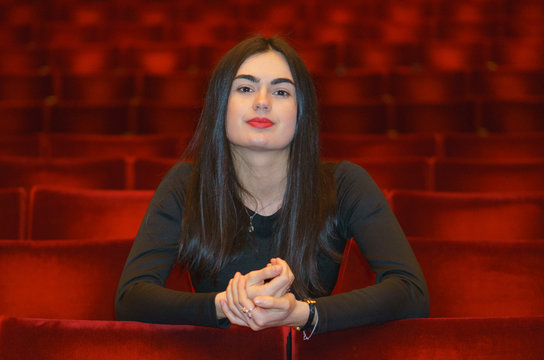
(270, 64)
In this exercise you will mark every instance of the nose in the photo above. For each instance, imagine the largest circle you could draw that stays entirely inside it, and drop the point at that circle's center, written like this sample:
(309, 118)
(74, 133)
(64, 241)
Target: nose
(262, 103)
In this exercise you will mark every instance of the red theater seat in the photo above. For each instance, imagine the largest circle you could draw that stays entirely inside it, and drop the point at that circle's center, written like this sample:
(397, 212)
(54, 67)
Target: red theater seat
(92, 145)
(22, 60)
(109, 340)
(397, 173)
(26, 87)
(20, 145)
(519, 54)
(513, 115)
(103, 88)
(21, 118)
(69, 172)
(490, 216)
(364, 118)
(164, 118)
(149, 172)
(175, 89)
(510, 84)
(495, 146)
(468, 175)
(381, 56)
(58, 213)
(85, 59)
(429, 86)
(352, 89)
(111, 118)
(438, 117)
(416, 339)
(161, 59)
(454, 56)
(66, 279)
(13, 203)
(483, 278)
(349, 146)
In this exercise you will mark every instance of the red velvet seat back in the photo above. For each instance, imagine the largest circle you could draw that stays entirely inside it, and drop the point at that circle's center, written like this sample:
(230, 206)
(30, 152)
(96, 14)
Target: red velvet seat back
(67, 339)
(149, 172)
(488, 175)
(495, 146)
(13, 205)
(451, 339)
(57, 213)
(399, 173)
(492, 216)
(83, 173)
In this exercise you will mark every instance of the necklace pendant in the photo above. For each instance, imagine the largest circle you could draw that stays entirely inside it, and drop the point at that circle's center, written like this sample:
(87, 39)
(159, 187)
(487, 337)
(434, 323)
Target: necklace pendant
(251, 228)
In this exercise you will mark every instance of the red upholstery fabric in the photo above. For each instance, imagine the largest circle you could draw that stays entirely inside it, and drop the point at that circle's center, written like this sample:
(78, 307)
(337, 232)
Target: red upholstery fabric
(346, 146)
(85, 59)
(452, 339)
(467, 278)
(68, 339)
(21, 118)
(61, 278)
(22, 60)
(68, 172)
(174, 89)
(352, 89)
(103, 88)
(454, 56)
(510, 85)
(381, 56)
(489, 175)
(430, 87)
(112, 118)
(149, 172)
(495, 146)
(25, 87)
(80, 145)
(496, 216)
(13, 205)
(20, 145)
(398, 173)
(483, 278)
(513, 116)
(57, 213)
(364, 118)
(519, 53)
(161, 118)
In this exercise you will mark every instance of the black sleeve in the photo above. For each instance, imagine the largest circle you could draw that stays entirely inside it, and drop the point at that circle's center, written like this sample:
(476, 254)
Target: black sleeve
(400, 290)
(141, 293)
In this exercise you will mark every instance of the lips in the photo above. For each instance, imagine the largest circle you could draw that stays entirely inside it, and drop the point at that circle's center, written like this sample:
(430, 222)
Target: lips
(260, 123)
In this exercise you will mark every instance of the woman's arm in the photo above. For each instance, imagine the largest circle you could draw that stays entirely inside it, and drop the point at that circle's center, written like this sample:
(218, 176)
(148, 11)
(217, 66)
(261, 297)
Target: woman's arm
(400, 290)
(141, 295)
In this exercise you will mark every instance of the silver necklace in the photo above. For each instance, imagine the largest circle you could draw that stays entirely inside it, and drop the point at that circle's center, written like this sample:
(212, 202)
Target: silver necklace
(250, 228)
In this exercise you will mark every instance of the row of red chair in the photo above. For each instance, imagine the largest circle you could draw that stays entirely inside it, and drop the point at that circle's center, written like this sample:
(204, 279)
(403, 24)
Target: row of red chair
(418, 173)
(72, 213)
(356, 88)
(71, 279)
(512, 146)
(367, 117)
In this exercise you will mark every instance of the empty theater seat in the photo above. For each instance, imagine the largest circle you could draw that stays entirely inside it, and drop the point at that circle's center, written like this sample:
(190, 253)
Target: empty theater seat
(490, 216)
(21, 145)
(13, 205)
(499, 338)
(399, 173)
(58, 213)
(91, 145)
(66, 279)
(494, 146)
(21, 118)
(67, 172)
(108, 340)
(85, 118)
(349, 146)
(468, 175)
(148, 172)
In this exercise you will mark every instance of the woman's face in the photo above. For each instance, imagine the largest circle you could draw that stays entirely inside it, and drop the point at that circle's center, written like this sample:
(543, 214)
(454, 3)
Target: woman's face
(262, 106)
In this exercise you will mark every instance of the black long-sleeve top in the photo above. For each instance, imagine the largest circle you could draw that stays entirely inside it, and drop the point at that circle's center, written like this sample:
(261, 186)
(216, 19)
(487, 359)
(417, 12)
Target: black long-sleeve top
(363, 214)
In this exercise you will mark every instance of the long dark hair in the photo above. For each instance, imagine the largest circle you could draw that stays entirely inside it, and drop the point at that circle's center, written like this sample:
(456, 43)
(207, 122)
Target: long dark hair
(215, 222)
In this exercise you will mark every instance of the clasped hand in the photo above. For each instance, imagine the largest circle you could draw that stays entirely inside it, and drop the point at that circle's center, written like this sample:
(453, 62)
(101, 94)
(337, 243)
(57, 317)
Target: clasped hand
(261, 298)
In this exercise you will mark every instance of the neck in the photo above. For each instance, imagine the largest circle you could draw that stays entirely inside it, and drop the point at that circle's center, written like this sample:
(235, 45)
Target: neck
(263, 175)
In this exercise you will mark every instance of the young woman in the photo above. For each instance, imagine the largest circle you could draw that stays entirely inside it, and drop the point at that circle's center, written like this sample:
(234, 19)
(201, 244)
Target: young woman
(260, 221)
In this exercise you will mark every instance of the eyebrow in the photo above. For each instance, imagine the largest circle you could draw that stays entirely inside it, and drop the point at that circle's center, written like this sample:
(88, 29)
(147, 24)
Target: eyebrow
(256, 80)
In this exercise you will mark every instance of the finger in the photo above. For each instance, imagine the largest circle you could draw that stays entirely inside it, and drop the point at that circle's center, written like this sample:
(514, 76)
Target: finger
(232, 300)
(247, 305)
(259, 276)
(230, 315)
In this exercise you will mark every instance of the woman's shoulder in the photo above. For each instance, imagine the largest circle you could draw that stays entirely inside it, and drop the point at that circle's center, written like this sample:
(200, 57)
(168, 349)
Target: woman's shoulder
(179, 173)
(346, 170)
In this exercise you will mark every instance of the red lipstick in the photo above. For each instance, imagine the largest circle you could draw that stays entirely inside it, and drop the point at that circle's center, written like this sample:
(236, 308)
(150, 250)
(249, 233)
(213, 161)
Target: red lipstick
(260, 123)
